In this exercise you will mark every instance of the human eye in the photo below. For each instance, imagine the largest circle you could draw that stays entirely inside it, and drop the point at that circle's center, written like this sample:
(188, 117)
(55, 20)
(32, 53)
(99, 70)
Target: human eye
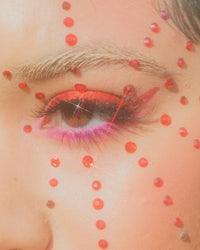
(85, 116)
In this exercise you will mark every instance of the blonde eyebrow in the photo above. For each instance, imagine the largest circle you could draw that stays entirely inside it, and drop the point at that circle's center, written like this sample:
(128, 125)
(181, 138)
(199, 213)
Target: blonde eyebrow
(88, 56)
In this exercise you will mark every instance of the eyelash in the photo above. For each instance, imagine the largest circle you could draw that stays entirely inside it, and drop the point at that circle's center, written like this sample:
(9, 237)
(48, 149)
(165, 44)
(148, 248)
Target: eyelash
(93, 104)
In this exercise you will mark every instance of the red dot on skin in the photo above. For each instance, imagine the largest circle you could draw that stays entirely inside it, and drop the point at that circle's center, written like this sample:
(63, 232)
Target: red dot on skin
(167, 200)
(27, 128)
(88, 161)
(164, 15)
(158, 182)
(134, 63)
(169, 83)
(98, 204)
(71, 39)
(50, 204)
(40, 95)
(178, 222)
(66, 5)
(130, 147)
(53, 182)
(96, 185)
(103, 244)
(143, 162)
(68, 21)
(197, 143)
(184, 100)
(80, 87)
(155, 27)
(165, 120)
(181, 63)
(22, 85)
(148, 42)
(55, 162)
(7, 74)
(183, 132)
(190, 46)
(100, 224)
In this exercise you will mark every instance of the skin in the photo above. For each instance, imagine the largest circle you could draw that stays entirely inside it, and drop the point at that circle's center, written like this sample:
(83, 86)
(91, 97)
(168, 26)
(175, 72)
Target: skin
(134, 212)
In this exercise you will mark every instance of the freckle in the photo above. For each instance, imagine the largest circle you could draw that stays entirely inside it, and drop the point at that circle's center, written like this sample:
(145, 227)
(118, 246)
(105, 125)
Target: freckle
(53, 182)
(155, 27)
(50, 204)
(100, 224)
(103, 244)
(143, 162)
(181, 63)
(183, 100)
(130, 147)
(7, 74)
(189, 46)
(27, 129)
(80, 87)
(148, 42)
(98, 204)
(71, 39)
(184, 236)
(40, 95)
(66, 5)
(55, 162)
(165, 120)
(183, 132)
(134, 63)
(164, 15)
(88, 161)
(197, 143)
(129, 90)
(169, 83)
(22, 85)
(178, 222)
(158, 182)
(167, 200)
(96, 185)
(68, 21)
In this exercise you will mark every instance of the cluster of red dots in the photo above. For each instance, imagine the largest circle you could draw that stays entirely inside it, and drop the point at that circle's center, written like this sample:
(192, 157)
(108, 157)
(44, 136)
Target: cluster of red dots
(70, 39)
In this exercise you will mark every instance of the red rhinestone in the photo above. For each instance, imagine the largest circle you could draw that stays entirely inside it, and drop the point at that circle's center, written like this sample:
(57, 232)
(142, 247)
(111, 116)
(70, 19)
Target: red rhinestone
(169, 83)
(71, 39)
(143, 162)
(22, 85)
(178, 222)
(181, 63)
(7, 74)
(100, 224)
(197, 143)
(184, 100)
(167, 200)
(158, 182)
(55, 162)
(190, 46)
(134, 63)
(88, 161)
(50, 204)
(96, 185)
(98, 204)
(53, 182)
(103, 244)
(148, 42)
(155, 27)
(66, 5)
(80, 87)
(27, 129)
(183, 132)
(164, 15)
(39, 95)
(130, 147)
(68, 21)
(165, 120)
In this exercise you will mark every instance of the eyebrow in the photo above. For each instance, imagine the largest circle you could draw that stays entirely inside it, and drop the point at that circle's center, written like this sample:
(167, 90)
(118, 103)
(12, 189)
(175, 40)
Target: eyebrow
(85, 57)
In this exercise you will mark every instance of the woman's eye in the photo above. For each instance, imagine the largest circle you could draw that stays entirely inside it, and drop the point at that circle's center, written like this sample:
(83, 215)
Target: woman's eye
(75, 117)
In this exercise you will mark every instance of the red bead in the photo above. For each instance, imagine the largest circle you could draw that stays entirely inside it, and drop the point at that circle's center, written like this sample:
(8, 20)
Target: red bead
(22, 85)
(169, 83)
(129, 90)
(88, 161)
(80, 87)
(71, 39)
(130, 147)
(158, 182)
(164, 15)
(96, 185)
(100, 224)
(184, 100)
(143, 162)
(39, 95)
(165, 120)
(68, 21)
(53, 182)
(98, 204)
(50, 204)
(181, 63)
(148, 42)
(155, 27)
(167, 200)
(27, 129)
(55, 162)
(7, 74)
(66, 5)
(178, 222)
(134, 63)
(183, 132)
(190, 46)
(197, 143)
(103, 244)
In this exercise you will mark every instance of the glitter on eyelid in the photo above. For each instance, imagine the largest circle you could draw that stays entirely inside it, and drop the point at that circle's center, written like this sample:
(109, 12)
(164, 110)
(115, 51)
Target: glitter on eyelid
(68, 21)
(80, 87)
(178, 222)
(100, 224)
(130, 147)
(40, 95)
(197, 143)
(169, 83)
(98, 204)
(148, 42)
(71, 39)
(190, 46)
(183, 100)
(96, 185)
(167, 200)
(183, 132)
(143, 162)
(53, 182)
(165, 120)
(27, 128)
(50, 204)
(66, 5)
(158, 182)
(55, 162)
(7, 74)
(181, 63)
(103, 244)
(22, 85)
(134, 63)
(155, 27)
(164, 15)
(88, 161)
